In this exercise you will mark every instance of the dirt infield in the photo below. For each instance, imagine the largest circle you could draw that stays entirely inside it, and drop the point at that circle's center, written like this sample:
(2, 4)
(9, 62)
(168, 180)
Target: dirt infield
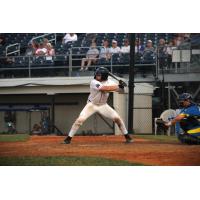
(146, 151)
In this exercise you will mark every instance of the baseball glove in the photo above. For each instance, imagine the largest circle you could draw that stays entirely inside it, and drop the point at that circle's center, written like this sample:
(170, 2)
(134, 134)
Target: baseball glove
(161, 124)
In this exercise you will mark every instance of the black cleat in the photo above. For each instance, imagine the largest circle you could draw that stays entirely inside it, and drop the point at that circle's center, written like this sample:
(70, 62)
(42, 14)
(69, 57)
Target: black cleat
(128, 138)
(67, 140)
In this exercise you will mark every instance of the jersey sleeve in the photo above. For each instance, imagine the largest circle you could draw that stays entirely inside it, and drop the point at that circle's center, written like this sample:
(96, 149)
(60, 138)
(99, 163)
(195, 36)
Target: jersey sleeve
(96, 85)
(192, 111)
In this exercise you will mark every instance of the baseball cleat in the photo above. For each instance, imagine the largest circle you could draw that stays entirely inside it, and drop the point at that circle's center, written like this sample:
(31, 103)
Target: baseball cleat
(128, 138)
(67, 140)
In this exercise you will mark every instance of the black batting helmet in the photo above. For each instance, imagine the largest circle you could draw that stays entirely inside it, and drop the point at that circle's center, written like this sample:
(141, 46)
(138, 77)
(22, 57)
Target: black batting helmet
(103, 72)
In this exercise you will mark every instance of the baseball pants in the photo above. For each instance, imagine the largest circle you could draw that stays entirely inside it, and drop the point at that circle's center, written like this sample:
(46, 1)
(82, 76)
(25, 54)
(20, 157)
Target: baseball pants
(104, 110)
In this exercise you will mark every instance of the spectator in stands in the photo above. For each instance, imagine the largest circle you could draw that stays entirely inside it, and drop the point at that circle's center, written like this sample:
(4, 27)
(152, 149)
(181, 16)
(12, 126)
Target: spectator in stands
(126, 47)
(162, 53)
(50, 50)
(91, 57)
(162, 44)
(41, 51)
(114, 49)
(139, 49)
(149, 46)
(104, 51)
(69, 37)
(45, 42)
(34, 45)
(170, 47)
(179, 40)
(185, 42)
(2, 40)
(149, 53)
(29, 51)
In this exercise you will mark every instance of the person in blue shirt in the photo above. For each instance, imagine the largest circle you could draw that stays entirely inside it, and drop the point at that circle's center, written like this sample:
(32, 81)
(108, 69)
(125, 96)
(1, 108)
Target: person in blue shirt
(189, 120)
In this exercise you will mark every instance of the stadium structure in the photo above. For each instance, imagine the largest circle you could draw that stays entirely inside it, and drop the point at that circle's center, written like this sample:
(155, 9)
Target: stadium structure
(51, 90)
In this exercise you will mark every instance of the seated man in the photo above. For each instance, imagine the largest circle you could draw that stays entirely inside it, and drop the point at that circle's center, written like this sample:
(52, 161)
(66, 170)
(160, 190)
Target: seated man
(188, 119)
(91, 57)
(126, 47)
(114, 49)
(104, 51)
(138, 47)
(149, 53)
(69, 37)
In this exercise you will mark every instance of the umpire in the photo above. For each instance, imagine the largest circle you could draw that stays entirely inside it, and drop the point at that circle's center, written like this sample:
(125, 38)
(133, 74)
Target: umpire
(189, 120)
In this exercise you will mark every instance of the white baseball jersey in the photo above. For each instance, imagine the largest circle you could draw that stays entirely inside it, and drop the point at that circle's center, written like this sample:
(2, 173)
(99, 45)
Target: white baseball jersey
(96, 96)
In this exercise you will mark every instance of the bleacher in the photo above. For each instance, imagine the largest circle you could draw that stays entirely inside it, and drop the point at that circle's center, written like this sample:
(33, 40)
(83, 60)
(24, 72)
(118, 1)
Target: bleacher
(77, 50)
(84, 40)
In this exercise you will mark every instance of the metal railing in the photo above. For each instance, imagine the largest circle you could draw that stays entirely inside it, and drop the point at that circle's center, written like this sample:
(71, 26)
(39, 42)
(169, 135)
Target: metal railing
(26, 65)
(182, 61)
(12, 49)
(46, 36)
(71, 63)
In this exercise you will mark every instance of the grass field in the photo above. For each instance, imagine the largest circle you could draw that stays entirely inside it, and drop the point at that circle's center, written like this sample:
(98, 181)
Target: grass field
(63, 161)
(25, 137)
(25, 150)
(161, 138)
(14, 137)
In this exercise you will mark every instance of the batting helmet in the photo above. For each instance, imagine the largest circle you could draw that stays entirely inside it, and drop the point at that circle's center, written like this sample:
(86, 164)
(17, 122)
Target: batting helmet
(185, 96)
(103, 72)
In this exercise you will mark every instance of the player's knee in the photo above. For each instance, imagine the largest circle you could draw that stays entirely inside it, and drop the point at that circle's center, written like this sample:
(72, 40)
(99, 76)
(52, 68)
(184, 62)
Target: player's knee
(117, 120)
(79, 121)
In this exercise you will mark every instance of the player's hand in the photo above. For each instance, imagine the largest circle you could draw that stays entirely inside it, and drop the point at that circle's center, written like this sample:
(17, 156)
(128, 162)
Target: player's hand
(121, 86)
(168, 124)
(122, 83)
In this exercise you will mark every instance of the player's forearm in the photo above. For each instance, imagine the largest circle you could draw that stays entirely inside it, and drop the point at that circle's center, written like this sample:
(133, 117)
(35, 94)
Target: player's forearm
(109, 88)
(175, 120)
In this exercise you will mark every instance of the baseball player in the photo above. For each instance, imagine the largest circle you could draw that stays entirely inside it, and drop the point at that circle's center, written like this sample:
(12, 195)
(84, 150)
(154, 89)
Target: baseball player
(100, 87)
(188, 119)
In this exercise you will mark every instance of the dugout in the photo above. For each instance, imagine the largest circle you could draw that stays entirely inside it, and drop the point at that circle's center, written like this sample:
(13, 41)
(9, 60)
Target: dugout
(28, 114)
(65, 97)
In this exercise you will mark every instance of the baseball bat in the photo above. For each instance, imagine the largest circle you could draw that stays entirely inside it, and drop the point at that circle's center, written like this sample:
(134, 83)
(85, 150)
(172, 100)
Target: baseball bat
(116, 78)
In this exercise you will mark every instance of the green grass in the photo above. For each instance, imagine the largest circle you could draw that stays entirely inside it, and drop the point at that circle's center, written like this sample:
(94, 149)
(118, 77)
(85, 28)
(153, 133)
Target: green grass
(161, 138)
(63, 161)
(14, 137)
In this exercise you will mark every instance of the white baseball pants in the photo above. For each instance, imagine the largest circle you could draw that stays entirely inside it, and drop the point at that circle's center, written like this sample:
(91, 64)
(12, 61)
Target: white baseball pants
(104, 110)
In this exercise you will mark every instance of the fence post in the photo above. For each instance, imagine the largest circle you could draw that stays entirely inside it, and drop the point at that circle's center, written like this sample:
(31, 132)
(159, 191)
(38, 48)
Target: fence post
(29, 67)
(111, 64)
(70, 62)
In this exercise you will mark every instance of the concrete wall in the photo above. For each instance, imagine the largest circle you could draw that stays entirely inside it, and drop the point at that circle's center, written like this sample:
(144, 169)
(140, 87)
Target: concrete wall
(142, 115)
(120, 105)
